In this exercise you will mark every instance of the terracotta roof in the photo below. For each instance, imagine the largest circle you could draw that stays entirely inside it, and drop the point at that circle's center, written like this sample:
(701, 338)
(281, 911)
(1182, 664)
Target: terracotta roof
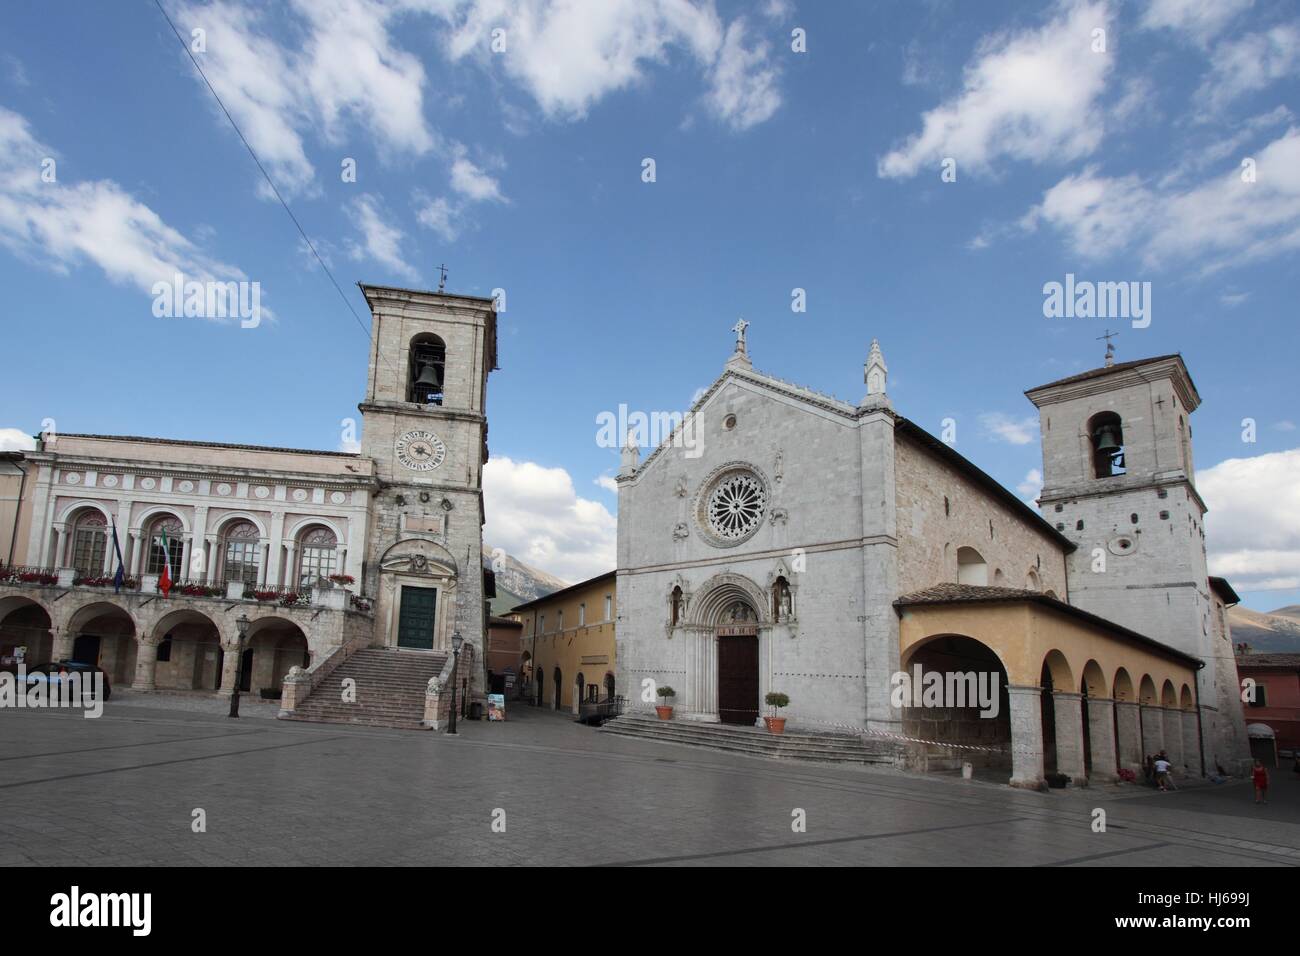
(572, 587)
(210, 444)
(1105, 370)
(1282, 661)
(495, 621)
(979, 594)
(983, 479)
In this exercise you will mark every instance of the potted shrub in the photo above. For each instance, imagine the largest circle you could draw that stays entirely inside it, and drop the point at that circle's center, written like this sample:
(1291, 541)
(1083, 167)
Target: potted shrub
(665, 710)
(342, 580)
(776, 700)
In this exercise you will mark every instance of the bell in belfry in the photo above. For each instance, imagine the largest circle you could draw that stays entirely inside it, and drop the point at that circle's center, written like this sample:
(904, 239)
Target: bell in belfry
(429, 377)
(1107, 440)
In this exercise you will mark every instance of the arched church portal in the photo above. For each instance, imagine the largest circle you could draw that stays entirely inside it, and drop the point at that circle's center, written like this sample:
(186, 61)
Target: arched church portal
(738, 680)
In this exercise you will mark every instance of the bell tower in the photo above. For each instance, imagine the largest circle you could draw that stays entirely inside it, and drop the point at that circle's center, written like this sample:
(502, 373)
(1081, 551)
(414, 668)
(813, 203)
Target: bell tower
(426, 431)
(1118, 480)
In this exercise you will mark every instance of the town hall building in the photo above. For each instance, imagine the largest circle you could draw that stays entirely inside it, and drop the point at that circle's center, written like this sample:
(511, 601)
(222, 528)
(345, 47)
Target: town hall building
(290, 570)
(785, 541)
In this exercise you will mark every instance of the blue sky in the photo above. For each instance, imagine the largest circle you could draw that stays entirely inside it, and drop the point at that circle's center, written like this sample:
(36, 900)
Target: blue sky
(774, 170)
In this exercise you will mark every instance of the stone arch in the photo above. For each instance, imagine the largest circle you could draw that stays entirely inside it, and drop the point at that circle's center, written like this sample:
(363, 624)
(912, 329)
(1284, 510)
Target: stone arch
(959, 727)
(426, 352)
(720, 592)
(1093, 683)
(275, 643)
(1051, 594)
(299, 527)
(1032, 581)
(1123, 686)
(152, 512)
(74, 506)
(971, 567)
(1185, 699)
(1168, 696)
(105, 634)
(1147, 691)
(431, 550)
(1057, 669)
(188, 655)
(224, 522)
(26, 622)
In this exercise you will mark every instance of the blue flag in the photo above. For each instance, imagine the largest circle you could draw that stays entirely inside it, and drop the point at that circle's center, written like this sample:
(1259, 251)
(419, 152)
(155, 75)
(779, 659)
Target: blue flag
(120, 576)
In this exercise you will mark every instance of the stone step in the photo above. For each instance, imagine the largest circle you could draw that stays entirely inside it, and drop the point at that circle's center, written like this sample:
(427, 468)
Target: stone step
(812, 747)
(389, 684)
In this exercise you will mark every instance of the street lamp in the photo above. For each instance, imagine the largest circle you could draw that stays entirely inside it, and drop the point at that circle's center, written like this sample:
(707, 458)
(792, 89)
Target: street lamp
(242, 623)
(456, 642)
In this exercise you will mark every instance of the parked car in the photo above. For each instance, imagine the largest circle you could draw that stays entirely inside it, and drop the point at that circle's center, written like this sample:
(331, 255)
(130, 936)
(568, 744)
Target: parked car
(54, 672)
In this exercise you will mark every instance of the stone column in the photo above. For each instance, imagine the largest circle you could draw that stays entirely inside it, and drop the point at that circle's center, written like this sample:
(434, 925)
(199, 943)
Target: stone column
(1069, 736)
(60, 547)
(146, 656)
(264, 548)
(1026, 737)
(184, 569)
(1191, 744)
(1153, 730)
(61, 648)
(1101, 737)
(137, 552)
(230, 666)
(214, 556)
(1172, 725)
(290, 557)
(1130, 736)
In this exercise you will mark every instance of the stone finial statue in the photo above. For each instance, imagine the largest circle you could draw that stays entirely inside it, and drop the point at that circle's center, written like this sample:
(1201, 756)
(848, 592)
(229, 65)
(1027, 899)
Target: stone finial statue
(631, 457)
(875, 372)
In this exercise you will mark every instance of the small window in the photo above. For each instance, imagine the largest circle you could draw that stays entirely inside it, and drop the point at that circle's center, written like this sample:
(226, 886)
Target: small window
(947, 507)
(1133, 518)
(582, 614)
(1106, 433)
(165, 650)
(1261, 696)
(1078, 525)
(609, 607)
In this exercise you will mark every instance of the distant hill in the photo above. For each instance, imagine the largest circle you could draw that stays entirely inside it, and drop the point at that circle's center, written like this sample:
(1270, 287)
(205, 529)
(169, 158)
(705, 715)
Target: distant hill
(518, 583)
(1277, 631)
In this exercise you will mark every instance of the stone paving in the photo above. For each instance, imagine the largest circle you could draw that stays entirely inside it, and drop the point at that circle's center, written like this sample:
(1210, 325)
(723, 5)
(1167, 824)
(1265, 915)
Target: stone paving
(123, 789)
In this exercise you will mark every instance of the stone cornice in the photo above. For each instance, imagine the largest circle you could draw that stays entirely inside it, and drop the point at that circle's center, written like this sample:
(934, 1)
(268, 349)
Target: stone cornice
(196, 473)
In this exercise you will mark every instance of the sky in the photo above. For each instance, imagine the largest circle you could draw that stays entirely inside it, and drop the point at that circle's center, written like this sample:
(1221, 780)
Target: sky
(635, 175)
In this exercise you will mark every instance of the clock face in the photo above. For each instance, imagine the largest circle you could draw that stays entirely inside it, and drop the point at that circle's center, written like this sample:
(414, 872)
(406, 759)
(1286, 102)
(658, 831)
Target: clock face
(421, 451)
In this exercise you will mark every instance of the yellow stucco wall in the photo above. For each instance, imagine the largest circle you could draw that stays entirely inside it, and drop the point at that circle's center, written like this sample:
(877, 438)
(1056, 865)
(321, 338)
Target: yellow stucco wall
(1023, 635)
(574, 648)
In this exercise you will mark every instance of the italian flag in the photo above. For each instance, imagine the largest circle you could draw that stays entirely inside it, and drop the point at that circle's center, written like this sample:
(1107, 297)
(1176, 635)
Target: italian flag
(165, 579)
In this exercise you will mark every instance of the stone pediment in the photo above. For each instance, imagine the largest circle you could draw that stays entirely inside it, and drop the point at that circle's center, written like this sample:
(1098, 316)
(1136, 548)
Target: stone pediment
(418, 556)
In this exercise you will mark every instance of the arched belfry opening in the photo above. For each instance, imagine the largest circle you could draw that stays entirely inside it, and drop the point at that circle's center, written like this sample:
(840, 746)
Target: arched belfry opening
(427, 370)
(1106, 434)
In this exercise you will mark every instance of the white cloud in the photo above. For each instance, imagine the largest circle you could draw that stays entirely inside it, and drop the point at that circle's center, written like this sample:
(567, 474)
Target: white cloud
(1197, 19)
(570, 55)
(1247, 64)
(1233, 299)
(1253, 524)
(439, 215)
(1285, 425)
(1031, 486)
(472, 182)
(60, 225)
(17, 72)
(743, 90)
(1013, 431)
(534, 514)
(15, 439)
(381, 241)
(1219, 222)
(346, 68)
(1031, 95)
(608, 483)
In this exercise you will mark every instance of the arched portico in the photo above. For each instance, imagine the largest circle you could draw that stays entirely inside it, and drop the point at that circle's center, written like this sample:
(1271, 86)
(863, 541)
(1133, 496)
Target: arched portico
(104, 634)
(187, 651)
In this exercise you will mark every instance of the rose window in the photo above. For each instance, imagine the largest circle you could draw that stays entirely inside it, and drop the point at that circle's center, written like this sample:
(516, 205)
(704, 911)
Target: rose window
(734, 508)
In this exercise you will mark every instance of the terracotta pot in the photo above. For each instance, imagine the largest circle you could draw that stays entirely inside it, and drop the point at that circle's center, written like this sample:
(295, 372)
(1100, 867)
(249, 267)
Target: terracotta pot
(775, 725)
(665, 713)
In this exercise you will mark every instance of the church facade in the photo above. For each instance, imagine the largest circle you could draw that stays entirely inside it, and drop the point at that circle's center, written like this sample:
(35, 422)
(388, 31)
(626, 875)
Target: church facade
(803, 545)
(322, 553)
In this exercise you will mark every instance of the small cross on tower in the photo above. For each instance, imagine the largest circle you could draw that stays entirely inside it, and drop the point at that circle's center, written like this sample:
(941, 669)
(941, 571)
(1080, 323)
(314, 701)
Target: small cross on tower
(442, 278)
(1110, 346)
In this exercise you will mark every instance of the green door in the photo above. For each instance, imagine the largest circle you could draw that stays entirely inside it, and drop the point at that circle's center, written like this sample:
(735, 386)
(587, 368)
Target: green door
(415, 629)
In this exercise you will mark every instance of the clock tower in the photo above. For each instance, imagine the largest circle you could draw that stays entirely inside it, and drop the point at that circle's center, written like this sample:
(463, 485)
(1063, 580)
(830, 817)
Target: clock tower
(425, 428)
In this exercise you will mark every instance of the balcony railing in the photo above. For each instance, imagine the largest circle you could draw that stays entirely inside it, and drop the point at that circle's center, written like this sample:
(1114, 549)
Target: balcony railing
(287, 595)
(596, 712)
(23, 574)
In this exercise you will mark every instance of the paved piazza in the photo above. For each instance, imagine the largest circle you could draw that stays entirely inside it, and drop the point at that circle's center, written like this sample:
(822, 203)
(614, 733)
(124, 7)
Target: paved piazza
(122, 789)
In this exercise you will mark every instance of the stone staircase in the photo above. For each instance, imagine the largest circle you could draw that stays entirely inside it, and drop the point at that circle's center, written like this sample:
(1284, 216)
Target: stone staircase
(755, 741)
(390, 688)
